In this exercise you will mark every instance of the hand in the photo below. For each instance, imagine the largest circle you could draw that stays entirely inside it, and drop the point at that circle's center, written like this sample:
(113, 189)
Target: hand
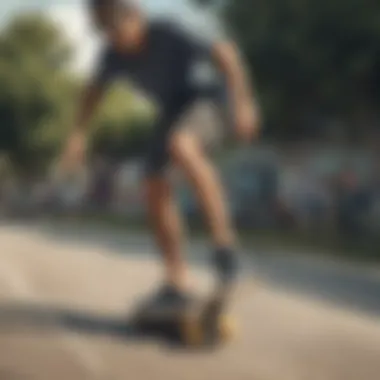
(74, 153)
(247, 121)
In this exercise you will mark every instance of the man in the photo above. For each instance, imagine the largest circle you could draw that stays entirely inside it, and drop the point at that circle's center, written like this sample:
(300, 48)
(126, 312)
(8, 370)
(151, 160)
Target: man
(162, 60)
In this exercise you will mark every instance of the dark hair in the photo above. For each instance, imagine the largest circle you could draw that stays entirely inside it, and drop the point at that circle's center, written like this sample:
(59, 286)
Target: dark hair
(93, 4)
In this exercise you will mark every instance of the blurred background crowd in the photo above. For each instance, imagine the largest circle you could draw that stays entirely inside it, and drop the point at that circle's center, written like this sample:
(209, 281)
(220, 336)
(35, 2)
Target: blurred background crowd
(314, 175)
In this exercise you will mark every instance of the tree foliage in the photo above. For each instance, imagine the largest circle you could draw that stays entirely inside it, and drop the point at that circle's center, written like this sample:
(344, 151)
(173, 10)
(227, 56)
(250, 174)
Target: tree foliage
(35, 90)
(309, 58)
(122, 125)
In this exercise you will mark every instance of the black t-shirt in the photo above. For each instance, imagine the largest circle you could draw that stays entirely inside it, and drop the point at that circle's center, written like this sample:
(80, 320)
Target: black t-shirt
(173, 68)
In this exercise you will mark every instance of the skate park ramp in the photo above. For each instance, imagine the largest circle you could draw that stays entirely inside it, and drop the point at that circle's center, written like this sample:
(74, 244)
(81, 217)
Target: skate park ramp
(45, 284)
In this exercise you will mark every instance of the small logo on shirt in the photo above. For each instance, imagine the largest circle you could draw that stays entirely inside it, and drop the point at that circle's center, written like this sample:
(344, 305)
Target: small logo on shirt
(202, 73)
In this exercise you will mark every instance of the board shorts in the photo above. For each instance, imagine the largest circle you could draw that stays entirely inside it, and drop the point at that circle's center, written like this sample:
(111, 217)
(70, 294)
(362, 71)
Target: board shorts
(209, 120)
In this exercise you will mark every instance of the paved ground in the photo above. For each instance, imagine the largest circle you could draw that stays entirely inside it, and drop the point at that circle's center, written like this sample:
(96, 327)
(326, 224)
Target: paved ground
(44, 279)
(355, 287)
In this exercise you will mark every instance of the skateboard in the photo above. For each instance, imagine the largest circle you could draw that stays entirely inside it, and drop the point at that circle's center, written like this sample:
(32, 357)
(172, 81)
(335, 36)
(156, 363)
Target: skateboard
(209, 323)
(205, 323)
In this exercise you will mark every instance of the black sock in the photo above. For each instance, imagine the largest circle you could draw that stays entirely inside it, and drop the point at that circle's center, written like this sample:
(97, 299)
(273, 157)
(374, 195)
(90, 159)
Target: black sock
(225, 261)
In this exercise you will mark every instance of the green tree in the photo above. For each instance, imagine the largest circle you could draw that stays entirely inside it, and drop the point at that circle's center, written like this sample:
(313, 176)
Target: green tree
(35, 90)
(122, 125)
(316, 57)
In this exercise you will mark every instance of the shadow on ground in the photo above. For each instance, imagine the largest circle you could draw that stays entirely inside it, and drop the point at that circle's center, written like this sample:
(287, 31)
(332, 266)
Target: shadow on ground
(28, 317)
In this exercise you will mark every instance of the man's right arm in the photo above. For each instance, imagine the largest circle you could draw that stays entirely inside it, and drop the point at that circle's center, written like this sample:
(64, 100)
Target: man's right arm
(88, 104)
(94, 91)
(76, 146)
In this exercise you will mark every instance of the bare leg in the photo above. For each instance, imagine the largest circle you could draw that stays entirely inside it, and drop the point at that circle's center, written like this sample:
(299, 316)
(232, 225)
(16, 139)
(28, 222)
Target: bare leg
(166, 223)
(189, 156)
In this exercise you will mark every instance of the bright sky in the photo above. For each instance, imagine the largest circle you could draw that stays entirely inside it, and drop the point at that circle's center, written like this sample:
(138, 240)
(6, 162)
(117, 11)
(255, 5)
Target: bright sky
(9, 7)
(71, 16)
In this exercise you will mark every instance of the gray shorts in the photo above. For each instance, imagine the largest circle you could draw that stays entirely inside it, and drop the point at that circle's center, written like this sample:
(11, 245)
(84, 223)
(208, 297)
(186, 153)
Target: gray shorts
(208, 120)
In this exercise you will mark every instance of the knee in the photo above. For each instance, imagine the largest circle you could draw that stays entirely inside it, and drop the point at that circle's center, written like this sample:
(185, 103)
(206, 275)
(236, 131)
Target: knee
(184, 149)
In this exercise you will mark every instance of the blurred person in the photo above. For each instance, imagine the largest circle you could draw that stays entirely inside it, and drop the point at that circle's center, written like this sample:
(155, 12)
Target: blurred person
(169, 64)
(353, 204)
(71, 193)
(128, 200)
(101, 188)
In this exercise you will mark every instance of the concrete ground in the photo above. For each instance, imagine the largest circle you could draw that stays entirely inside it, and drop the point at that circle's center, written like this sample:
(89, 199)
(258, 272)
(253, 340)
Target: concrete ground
(282, 336)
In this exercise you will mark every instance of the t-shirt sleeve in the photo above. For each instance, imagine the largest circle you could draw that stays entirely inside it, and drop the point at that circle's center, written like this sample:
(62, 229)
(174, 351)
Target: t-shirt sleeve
(197, 44)
(204, 34)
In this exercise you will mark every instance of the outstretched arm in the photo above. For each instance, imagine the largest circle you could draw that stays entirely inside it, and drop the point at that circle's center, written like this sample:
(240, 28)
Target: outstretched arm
(95, 89)
(76, 146)
(92, 95)
(88, 104)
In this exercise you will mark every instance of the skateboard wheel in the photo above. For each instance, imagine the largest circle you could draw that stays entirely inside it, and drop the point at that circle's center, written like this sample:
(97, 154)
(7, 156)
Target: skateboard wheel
(192, 332)
(227, 328)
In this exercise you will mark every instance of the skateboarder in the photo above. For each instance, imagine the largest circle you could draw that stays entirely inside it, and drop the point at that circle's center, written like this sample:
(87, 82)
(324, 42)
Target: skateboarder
(166, 62)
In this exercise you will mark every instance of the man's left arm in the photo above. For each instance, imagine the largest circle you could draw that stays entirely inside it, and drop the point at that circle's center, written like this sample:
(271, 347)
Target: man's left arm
(245, 106)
